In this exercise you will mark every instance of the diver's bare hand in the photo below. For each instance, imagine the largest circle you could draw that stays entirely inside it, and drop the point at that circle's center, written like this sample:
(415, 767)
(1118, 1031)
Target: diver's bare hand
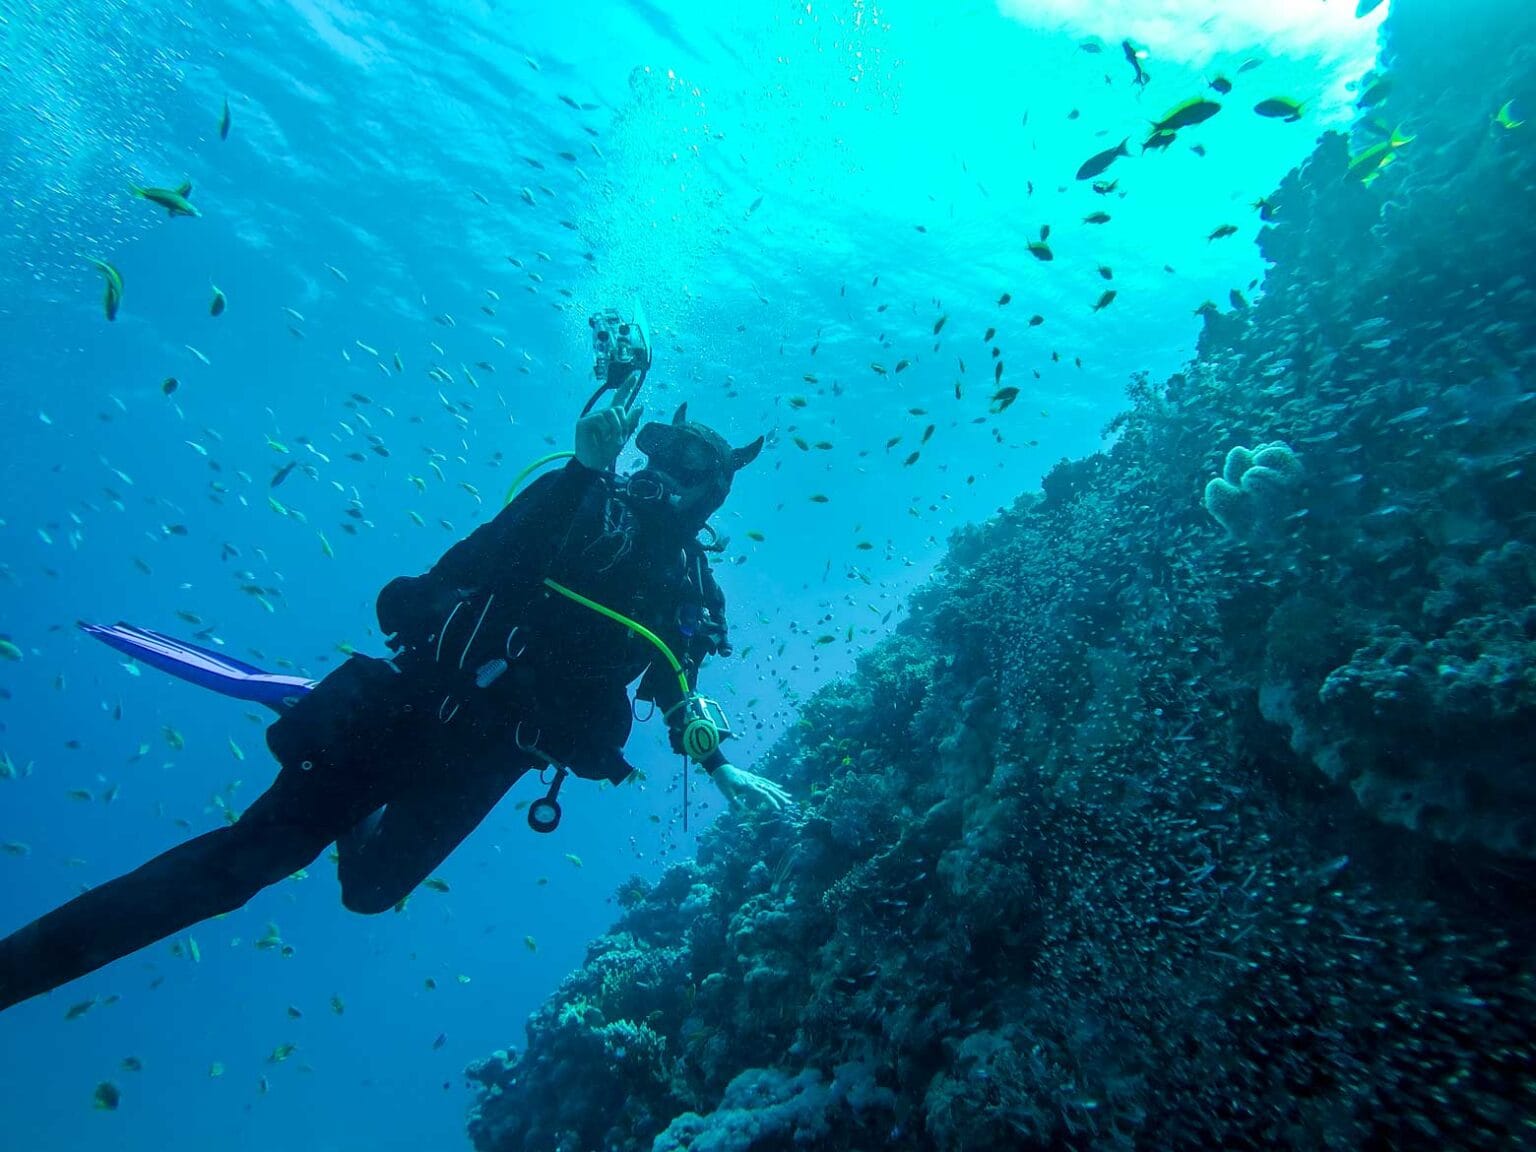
(601, 435)
(742, 788)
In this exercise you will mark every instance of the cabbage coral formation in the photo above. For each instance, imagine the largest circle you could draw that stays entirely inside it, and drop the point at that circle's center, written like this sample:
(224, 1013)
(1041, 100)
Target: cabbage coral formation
(1252, 486)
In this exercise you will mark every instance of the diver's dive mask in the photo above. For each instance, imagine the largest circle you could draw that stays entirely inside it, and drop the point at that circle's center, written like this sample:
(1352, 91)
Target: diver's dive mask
(688, 467)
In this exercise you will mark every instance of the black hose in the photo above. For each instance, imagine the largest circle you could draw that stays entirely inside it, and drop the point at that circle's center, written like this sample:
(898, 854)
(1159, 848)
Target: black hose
(601, 388)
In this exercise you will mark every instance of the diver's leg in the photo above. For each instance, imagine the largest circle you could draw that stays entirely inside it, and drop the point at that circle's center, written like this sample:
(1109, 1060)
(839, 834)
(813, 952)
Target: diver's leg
(206, 876)
(284, 830)
(335, 747)
(384, 856)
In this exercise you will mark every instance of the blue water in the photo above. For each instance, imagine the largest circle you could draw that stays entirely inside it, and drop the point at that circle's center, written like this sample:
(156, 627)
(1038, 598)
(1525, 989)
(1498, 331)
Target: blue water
(892, 149)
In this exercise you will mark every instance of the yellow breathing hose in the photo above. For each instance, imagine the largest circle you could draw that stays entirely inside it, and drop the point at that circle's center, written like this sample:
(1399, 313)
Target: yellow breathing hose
(537, 464)
(633, 625)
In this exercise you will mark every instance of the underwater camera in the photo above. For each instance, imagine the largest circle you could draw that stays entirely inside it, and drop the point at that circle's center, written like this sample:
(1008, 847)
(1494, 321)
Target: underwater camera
(619, 346)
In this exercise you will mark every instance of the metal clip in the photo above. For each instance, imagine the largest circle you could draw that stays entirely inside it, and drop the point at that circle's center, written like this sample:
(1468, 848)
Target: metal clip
(543, 813)
(532, 747)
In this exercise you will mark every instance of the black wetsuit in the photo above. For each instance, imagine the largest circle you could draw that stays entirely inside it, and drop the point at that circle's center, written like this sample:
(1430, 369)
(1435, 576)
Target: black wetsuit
(396, 761)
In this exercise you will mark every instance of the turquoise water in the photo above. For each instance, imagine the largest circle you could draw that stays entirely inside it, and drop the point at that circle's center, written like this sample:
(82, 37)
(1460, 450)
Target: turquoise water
(793, 193)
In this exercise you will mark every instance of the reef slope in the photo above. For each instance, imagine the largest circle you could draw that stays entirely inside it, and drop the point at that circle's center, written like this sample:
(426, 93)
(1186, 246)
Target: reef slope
(1179, 814)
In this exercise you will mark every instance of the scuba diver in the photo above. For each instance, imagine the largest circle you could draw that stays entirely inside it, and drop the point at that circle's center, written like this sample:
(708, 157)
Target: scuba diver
(515, 652)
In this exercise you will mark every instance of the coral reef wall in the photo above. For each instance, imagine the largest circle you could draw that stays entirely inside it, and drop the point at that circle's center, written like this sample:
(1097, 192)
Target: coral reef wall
(1174, 817)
